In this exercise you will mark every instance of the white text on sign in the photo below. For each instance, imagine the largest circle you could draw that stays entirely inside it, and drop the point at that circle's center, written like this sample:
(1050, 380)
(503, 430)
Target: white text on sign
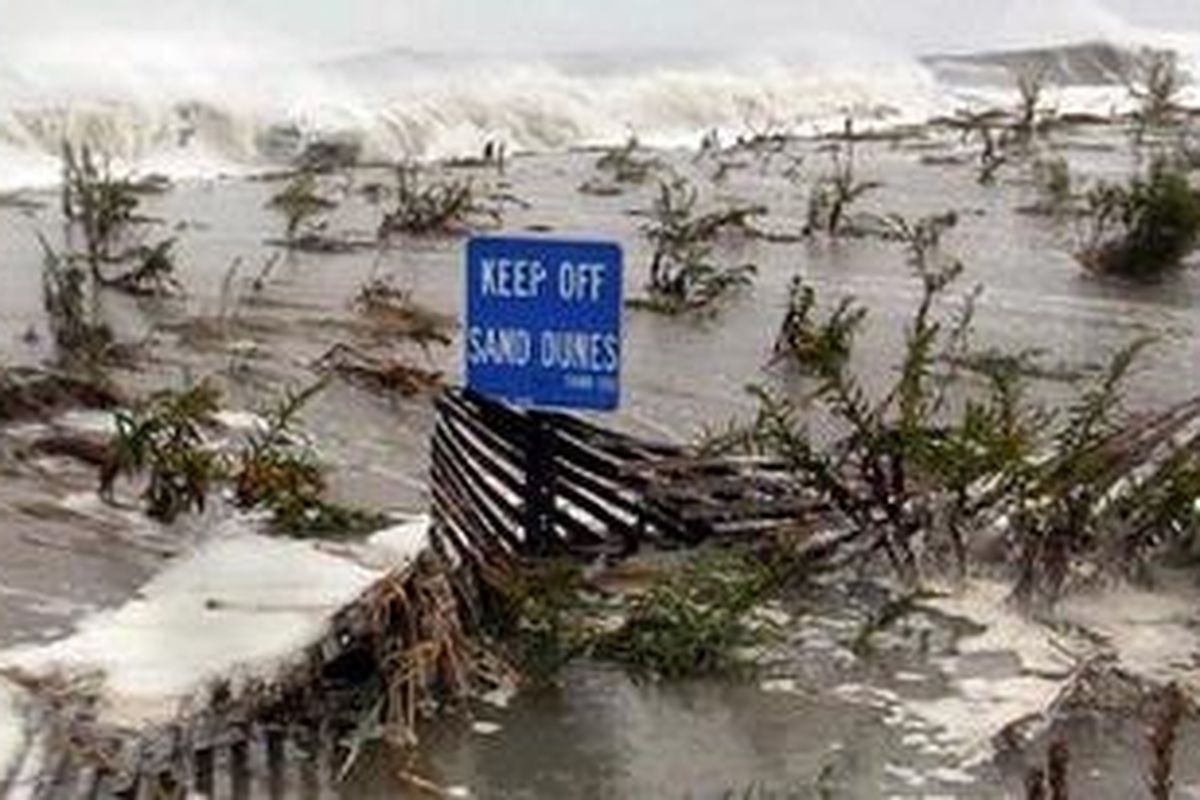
(556, 350)
(524, 280)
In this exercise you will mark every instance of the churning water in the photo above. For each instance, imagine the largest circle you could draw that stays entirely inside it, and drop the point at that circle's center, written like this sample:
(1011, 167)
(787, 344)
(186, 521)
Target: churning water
(178, 104)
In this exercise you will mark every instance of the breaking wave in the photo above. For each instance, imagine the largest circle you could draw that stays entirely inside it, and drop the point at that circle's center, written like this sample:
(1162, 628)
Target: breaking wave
(181, 120)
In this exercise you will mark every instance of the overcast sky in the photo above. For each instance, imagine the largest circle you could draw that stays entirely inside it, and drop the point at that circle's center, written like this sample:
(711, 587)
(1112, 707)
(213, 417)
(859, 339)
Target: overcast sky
(555, 25)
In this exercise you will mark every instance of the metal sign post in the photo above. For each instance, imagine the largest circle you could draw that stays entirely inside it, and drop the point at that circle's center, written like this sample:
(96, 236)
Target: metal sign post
(539, 485)
(544, 331)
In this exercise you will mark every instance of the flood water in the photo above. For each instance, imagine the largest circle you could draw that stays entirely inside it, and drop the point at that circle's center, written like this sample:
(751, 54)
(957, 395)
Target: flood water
(599, 734)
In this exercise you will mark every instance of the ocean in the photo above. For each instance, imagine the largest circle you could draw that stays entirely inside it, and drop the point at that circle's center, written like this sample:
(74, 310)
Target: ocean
(165, 114)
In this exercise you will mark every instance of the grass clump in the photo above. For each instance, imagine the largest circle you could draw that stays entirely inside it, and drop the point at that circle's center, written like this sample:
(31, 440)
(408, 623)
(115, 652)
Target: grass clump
(164, 437)
(1144, 228)
(683, 276)
(301, 204)
(1155, 84)
(693, 622)
(541, 614)
(918, 469)
(440, 207)
(103, 207)
(834, 194)
(276, 470)
(695, 619)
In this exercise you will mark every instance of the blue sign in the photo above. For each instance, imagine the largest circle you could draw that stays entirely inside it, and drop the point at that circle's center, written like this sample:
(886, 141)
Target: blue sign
(544, 321)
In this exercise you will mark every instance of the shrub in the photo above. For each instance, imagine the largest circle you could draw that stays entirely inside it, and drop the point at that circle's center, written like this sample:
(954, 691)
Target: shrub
(441, 207)
(102, 204)
(693, 622)
(329, 155)
(1144, 228)
(383, 374)
(875, 477)
(805, 343)
(165, 438)
(153, 273)
(682, 274)
(104, 207)
(995, 135)
(273, 469)
(1155, 84)
(394, 312)
(834, 193)
(624, 164)
(1031, 85)
(276, 470)
(914, 468)
(688, 280)
(301, 203)
(80, 338)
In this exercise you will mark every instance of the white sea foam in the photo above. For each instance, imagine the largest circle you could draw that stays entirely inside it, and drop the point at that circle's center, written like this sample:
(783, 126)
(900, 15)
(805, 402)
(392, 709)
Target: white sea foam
(396, 105)
(174, 88)
(1152, 636)
(241, 606)
(185, 111)
(12, 732)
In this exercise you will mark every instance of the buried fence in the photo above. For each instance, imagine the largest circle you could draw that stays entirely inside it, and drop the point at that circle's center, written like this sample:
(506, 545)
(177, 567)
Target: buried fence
(507, 486)
(509, 483)
(296, 733)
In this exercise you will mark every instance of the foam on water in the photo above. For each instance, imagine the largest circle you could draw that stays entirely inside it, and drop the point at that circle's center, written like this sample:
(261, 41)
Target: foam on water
(12, 734)
(1151, 635)
(396, 105)
(168, 115)
(243, 605)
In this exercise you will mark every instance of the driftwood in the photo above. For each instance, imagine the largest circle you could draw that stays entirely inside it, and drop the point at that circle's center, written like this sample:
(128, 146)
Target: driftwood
(394, 313)
(377, 374)
(323, 244)
(30, 393)
(94, 450)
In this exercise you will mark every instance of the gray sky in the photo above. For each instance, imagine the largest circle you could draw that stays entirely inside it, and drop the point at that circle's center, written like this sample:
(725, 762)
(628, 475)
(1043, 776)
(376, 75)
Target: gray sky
(548, 25)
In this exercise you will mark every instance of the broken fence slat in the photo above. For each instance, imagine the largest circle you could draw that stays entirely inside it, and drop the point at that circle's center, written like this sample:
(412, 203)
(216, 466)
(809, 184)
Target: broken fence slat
(481, 519)
(501, 512)
(611, 490)
(468, 451)
(489, 437)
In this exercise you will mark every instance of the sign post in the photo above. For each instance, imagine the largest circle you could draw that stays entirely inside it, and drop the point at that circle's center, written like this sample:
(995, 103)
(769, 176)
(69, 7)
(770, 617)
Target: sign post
(544, 331)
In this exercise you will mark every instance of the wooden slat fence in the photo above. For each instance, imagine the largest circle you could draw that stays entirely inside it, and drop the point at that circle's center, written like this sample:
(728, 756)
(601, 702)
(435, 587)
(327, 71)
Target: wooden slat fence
(519, 483)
